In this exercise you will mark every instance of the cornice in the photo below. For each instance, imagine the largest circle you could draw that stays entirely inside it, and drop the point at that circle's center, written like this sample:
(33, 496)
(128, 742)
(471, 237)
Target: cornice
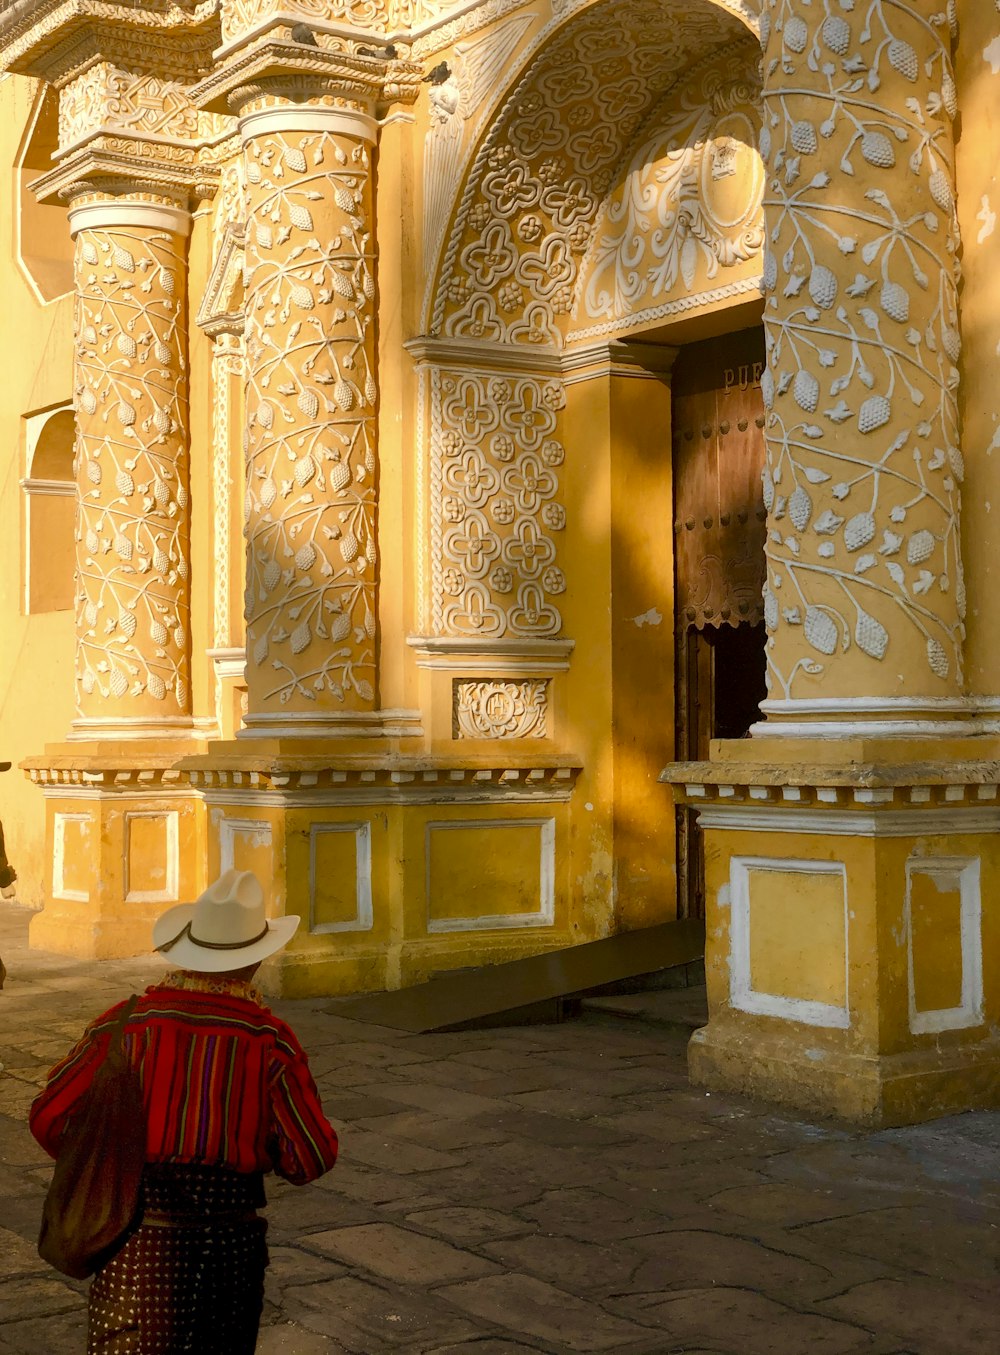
(56, 39)
(117, 164)
(263, 67)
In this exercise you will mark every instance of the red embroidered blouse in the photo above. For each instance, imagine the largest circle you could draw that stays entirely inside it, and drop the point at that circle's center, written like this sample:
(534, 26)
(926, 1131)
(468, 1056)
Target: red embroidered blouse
(225, 1083)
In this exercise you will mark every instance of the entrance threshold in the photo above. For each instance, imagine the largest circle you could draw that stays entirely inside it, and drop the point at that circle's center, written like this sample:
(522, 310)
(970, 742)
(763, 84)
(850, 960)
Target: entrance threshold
(539, 988)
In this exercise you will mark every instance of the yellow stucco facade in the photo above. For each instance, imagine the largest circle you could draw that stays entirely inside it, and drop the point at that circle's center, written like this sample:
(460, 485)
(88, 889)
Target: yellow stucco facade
(352, 350)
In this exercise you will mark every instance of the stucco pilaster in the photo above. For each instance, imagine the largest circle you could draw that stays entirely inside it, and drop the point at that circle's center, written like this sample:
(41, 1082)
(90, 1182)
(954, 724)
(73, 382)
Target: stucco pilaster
(865, 596)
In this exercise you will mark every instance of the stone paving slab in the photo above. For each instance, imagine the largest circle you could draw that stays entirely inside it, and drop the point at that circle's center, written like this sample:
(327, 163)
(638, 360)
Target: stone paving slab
(549, 1189)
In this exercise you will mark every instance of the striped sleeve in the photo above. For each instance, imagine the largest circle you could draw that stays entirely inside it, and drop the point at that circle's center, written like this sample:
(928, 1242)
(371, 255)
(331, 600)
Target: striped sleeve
(68, 1081)
(304, 1142)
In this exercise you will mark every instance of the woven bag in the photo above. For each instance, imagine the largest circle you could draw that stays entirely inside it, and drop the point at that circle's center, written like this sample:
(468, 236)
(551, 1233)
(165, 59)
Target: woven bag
(94, 1203)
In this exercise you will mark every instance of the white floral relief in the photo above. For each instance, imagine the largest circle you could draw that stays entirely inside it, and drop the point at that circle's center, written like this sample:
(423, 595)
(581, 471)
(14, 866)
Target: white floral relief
(500, 710)
(863, 461)
(310, 432)
(496, 515)
(689, 202)
(534, 190)
(131, 397)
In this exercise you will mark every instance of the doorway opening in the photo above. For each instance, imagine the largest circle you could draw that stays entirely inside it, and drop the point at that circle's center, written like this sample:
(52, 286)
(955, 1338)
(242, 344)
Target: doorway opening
(719, 534)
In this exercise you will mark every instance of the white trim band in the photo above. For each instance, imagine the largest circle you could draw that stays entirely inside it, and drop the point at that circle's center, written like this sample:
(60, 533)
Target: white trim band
(125, 212)
(269, 121)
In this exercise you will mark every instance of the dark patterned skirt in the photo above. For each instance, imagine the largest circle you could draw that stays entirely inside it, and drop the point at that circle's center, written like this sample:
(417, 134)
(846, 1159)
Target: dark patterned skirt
(191, 1280)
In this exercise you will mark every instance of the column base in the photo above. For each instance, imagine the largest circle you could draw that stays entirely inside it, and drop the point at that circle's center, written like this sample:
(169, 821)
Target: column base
(356, 724)
(867, 1090)
(851, 915)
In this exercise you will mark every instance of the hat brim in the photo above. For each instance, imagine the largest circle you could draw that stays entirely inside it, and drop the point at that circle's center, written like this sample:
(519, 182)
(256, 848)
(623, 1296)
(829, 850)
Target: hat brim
(187, 954)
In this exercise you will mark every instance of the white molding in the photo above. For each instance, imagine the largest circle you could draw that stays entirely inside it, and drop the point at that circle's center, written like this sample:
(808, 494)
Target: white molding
(963, 871)
(230, 829)
(363, 919)
(63, 489)
(501, 656)
(125, 212)
(545, 917)
(229, 663)
(170, 891)
(360, 724)
(333, 797)
(271, 121)
(849, 822)
(626, 358)
(742, 995)
(487, 355)
(139, 727)
(626, 324)
(59, 889)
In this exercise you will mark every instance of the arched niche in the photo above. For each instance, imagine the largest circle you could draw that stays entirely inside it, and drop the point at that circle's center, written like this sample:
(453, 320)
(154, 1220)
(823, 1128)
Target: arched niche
(49, 511)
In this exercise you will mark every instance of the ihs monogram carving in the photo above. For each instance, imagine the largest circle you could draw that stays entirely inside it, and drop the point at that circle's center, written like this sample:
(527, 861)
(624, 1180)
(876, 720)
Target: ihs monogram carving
(688, 204)
(863, 462)
(500, 710)
(496, 516)
(310, 437)
(526, 214)
(105, 97)
(132, 470)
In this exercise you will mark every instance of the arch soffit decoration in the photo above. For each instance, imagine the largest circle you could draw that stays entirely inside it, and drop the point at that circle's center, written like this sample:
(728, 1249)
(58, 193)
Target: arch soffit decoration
(540, 163)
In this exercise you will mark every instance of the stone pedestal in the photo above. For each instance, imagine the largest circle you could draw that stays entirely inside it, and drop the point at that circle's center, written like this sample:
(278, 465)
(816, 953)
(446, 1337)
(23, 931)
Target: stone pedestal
(851, 917)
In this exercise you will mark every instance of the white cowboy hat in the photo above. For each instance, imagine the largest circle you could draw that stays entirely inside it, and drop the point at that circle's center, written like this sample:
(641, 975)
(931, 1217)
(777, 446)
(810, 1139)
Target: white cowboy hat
(225, 928)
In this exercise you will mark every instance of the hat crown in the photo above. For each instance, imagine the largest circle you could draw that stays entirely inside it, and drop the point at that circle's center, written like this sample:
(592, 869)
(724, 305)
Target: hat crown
(230, 911)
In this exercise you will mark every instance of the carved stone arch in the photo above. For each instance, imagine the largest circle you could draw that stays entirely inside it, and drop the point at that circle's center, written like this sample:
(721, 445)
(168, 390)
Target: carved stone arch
(526, 207)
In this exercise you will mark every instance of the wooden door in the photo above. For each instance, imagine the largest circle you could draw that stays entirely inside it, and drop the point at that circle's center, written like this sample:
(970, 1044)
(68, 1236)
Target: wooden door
(719, 532)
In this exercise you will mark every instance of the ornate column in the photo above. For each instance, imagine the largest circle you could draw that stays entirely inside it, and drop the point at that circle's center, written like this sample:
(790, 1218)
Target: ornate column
(133, 523)
(865, 597)
(311, 396)
(850, 884)
(307, 121)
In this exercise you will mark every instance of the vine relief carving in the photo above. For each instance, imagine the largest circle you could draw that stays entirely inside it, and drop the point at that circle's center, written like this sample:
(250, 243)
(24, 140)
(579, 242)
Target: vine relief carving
(863, 461)
(133, 566)
(689, 203)
(310, 437)
(496, 516)
(500, 710)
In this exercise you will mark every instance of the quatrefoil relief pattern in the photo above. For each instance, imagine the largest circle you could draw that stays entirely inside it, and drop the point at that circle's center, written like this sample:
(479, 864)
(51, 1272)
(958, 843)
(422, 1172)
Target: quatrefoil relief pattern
(495, 514)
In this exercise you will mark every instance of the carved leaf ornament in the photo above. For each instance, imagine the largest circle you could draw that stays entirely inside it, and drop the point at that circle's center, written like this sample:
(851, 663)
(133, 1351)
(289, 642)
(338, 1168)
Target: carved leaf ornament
(310, 442)
(133, 564)
(863, 466)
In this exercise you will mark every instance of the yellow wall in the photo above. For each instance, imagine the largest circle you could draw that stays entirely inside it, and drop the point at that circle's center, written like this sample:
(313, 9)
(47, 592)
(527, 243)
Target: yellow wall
(36, 690)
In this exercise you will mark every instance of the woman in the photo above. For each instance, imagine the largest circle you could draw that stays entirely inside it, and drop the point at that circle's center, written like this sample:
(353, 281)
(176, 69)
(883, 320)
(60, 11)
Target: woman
(228, 1096)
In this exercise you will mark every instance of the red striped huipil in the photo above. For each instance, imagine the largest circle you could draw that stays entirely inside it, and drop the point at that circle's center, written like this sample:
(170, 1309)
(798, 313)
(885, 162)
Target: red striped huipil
(225, 1083)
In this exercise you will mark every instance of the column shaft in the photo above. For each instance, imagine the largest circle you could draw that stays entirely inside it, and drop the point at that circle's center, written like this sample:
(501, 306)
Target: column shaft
(865, 598)
(131, 394)
(311, 431)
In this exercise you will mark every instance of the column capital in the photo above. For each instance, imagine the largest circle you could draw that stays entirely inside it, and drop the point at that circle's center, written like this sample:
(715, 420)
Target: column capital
(267, 70)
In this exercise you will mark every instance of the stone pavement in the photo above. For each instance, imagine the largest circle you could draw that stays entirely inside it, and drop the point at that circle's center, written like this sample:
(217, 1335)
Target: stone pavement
(554, 1189)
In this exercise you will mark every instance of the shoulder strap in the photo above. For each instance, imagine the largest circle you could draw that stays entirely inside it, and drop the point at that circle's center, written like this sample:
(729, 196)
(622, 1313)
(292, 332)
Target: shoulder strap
(118, 1030)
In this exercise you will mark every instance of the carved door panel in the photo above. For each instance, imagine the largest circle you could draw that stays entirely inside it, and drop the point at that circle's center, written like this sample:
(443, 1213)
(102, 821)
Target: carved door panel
(719, 532)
